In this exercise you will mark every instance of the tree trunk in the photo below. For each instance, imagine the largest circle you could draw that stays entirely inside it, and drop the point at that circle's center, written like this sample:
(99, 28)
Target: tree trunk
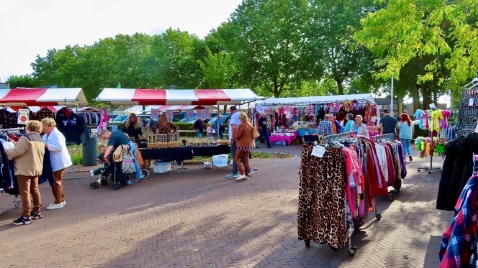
(340, 86)
(435, 97)
(415, 98)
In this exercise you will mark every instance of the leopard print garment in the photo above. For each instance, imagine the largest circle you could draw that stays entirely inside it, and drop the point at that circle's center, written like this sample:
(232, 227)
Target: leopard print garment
(321, 213)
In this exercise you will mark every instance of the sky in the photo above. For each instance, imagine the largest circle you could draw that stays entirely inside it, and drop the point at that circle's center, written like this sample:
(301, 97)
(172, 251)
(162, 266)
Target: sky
(31, 27)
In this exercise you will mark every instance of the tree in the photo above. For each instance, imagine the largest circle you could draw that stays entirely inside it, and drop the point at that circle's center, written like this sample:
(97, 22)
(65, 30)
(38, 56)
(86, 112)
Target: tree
(442, 33)
(266, 37)
(329, 35)
(22, 81)
(217, 69)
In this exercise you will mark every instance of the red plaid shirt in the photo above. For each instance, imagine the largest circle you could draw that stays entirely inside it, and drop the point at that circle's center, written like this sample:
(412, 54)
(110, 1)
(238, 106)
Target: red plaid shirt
(456, 246)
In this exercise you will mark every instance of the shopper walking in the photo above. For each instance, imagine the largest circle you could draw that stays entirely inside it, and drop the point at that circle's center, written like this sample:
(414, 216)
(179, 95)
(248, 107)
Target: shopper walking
(350, 121)
(234, 123)
(406, 130)
(28, 157)
(263, 129)
(325, 127)
(387, 123)
(59, 157)
(359, 127)
(244, 141)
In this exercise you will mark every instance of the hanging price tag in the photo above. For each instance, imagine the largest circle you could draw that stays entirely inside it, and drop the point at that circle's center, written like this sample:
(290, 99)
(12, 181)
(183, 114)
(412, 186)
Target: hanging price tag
(318, 151)
(471, 101)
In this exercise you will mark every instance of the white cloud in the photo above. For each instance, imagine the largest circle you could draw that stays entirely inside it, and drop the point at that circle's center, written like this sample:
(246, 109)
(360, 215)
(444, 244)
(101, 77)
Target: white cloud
(31, 27)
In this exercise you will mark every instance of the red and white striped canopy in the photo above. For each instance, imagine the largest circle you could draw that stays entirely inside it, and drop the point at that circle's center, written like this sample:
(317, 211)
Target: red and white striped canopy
(42, 96)
(176, 96)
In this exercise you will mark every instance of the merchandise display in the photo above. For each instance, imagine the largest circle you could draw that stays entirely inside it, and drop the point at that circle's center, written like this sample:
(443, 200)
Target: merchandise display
(370, 166)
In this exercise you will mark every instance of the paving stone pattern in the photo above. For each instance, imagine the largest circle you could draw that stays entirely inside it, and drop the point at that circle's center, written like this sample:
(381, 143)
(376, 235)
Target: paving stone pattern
(202, 219)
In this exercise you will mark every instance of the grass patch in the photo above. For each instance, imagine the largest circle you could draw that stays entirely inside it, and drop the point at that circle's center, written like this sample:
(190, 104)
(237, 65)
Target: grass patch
(255, 155)
(76, 158)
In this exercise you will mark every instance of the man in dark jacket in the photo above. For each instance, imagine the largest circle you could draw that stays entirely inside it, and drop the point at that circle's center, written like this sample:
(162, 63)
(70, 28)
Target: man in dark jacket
(263, 129)
(199, 126)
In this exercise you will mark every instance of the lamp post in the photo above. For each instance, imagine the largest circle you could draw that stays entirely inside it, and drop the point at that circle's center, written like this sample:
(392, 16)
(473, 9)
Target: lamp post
(391, 99)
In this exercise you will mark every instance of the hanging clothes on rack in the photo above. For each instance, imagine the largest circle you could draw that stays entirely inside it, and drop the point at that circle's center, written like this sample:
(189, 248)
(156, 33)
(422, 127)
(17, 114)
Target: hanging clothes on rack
(72, 126)
(7, 119)
(321, 209)
(44, 113)
(456, 170)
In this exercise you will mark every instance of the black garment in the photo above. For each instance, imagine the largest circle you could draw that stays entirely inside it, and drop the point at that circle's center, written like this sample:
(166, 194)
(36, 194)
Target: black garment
(47, 172)
(101, 157)
(263, 123)
(6, 177)
(118, 138)
(71, 125)
(7, 119)
(222, 129)
(457, 169)
(198, 125)
(389, 124)
(133, 133)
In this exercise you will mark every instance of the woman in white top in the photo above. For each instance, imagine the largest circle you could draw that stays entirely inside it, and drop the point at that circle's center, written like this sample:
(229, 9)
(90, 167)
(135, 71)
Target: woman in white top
(359, 127)
(59, 157)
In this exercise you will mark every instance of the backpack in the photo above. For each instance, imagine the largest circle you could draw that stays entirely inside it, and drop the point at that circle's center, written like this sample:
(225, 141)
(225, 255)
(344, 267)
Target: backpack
(127, 166)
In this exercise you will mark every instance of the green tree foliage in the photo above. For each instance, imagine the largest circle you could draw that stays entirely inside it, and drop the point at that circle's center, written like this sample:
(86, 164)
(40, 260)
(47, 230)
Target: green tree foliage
(329, 34)
(441, 34)
(217, 69)
(267, 39)
(22, 81)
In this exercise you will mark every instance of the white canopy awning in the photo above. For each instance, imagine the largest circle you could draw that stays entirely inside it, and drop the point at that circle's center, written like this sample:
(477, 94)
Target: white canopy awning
(361, 98)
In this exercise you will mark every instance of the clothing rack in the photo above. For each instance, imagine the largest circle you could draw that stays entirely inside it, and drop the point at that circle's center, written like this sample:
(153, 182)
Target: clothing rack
(336, 137)
(390, 136)
(430, 168)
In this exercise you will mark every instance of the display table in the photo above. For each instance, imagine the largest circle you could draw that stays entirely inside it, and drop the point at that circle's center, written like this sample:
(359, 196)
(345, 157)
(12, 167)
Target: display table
(302, 131)
(183, 153)
(288, 137)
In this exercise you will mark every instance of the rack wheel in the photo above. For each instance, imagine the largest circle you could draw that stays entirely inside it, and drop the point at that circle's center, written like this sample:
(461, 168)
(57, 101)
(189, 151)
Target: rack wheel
(352, 250)
(145, 173)
(429, 172)
(104, 182)
(397, 190)
(115, 186)
(378, 216)
(122, 183)
(307, 243)
(390, 197)
(419, 170)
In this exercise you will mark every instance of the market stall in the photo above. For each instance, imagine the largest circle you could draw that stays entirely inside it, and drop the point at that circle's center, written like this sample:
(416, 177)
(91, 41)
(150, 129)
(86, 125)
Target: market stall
(302, 114)
(179, 99)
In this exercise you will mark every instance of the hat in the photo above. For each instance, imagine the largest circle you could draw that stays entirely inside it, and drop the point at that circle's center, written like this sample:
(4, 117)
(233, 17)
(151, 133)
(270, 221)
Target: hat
(386, 111)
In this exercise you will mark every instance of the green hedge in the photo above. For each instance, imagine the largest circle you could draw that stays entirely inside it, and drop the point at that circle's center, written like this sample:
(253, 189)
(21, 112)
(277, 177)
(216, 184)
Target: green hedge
(420, 132)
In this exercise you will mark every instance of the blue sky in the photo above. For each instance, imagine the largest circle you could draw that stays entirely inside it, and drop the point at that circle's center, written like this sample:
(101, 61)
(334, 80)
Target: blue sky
(31, 27)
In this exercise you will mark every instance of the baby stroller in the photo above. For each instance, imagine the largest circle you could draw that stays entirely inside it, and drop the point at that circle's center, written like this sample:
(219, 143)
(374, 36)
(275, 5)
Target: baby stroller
(114, 172)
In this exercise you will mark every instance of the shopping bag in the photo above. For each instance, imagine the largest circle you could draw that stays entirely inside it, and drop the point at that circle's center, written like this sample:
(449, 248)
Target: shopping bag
(255, 133)
(128, 163)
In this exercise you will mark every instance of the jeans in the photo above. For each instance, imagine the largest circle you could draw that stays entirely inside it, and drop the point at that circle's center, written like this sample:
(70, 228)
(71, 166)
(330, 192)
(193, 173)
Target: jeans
(57, 189)
(29, 186)
(264, 133)
(136, 165)
(406, 145)
(198, 134)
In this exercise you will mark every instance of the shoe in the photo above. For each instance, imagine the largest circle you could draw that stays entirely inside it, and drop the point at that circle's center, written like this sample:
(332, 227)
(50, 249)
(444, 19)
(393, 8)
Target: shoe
(55, 206)
(92, 173)
(250, 173)
(410, 158)
(22, 221)
(270, 147)
(129, 182)
(138, 179)
(36, 215)
(232, 176)
(241, 177)
(64, 203)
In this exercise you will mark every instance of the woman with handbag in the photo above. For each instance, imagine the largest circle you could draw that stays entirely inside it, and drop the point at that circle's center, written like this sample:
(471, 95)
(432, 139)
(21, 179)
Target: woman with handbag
(118, 138)
(245, 136)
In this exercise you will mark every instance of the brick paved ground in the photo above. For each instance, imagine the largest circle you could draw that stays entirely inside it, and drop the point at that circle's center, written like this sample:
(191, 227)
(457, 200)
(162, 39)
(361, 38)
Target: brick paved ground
(201, 219)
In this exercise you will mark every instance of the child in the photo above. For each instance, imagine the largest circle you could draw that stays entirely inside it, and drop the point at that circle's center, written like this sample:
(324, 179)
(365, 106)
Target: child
(209, 131)
(102, 160)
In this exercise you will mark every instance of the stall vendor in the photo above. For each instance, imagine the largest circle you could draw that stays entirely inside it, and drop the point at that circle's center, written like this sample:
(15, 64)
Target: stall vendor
(164, 126)
(132, 127)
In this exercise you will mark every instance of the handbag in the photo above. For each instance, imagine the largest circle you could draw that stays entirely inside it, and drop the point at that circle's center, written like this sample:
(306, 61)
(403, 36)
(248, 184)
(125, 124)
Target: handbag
(127, 166)
(255, 133)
